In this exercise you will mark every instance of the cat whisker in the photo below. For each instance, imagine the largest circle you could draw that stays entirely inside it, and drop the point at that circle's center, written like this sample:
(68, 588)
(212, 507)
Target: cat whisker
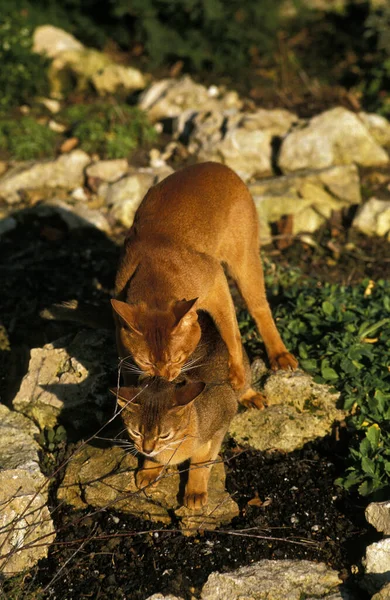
(191, 362)
(184, 370)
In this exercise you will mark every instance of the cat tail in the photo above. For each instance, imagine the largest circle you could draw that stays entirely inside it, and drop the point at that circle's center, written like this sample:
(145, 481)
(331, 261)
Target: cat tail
(90, 315)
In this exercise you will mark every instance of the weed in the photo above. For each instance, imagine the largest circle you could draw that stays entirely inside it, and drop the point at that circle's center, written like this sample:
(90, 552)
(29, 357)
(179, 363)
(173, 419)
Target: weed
(25, 138)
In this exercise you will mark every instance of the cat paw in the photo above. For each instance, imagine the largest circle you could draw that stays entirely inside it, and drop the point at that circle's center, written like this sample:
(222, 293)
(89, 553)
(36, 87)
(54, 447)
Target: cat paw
(195, 500)
(253, 399)
(236, 377)
(285, 361)
(147, 478)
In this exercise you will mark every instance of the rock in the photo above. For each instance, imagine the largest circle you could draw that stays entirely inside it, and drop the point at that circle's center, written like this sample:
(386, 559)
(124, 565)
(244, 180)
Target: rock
(24, 517)
(51, 41)
(105, 477)
(69, 144)
(373, 218)
(378, 126)
(67, 380)
(162, 597)
(378, 515)
(299, 411)
(335, 137)
(89, 67)
(243, 141)
(26, 528)
(52, 105)
(66, 171)
(76, 216)
(310, 197)
(377, 565)
(272, 580)
(108, 170)
(383, 594)
(124, 196)
(168, 98)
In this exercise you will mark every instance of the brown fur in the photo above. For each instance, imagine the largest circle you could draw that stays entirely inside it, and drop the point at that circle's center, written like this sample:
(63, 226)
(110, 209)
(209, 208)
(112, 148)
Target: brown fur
(197, 410)
(185, 229)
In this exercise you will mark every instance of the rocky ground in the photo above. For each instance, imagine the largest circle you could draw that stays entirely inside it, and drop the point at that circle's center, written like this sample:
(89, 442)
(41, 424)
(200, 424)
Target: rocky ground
(321, 188)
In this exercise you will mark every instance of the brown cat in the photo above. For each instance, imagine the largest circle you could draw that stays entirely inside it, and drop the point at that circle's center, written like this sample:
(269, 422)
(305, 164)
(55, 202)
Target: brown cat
(171, 422)
(186, 227)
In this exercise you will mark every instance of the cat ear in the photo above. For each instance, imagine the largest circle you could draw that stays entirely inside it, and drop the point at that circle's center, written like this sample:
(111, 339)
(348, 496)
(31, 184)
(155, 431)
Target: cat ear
(125, 396)
(187, 393)
(181, 308)
(127, 312)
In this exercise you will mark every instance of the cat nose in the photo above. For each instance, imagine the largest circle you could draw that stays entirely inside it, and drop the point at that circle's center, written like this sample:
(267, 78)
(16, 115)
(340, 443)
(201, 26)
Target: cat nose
(148, 446)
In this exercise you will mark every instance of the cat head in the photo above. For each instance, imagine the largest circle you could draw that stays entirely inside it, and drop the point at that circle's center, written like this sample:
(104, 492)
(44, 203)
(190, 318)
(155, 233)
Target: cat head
(160, 341)
(157, 416)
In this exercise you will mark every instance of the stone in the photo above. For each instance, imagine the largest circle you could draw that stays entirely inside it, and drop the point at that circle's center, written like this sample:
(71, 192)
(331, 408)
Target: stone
(76, 216)
(162, 597)
(272, 580)
(383, 594)
(335, 137)
(24, 517)
(51, 41)
(378, 515)
(85, 67)
(168, 98)
(26, 528)
(67, 381)
(378, 126)
(67, 171)
(377, 565)
(299, 411)
(310, 197)
(373, 218)
(6, 225)
(108, 170)
(124, 196)
(101, 477)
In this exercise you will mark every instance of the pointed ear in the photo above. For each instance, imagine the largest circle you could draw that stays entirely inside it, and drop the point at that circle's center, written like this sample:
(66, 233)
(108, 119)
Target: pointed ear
(127, 312)
(125, 395)
(187, 393)
(181, 308)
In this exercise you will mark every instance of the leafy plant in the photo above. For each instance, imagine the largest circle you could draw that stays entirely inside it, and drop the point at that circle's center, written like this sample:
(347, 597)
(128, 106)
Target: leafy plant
(22, 74)
(113, 131)
(341, 335)
(25, 138)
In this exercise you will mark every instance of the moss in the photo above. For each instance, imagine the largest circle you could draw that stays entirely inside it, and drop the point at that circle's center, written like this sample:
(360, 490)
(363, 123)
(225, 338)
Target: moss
(112, 131)
(25, 138)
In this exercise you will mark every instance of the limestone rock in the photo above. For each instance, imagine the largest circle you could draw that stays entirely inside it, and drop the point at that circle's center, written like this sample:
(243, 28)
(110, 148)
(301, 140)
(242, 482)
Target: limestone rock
(162, 597)
(373, 218)
(24, 517)
(91, 68)
(76, 216)
(26, 528)
(124, 196)
(378, 515)
(272, 580)
(383, 594)
(299, 411)
(378, 126)
(67, 171)
(108, 170)
(51, 41)
(67, 380)
(335, 137)
(168, 98)
(105, 477)
(310, 197)
(377, 565)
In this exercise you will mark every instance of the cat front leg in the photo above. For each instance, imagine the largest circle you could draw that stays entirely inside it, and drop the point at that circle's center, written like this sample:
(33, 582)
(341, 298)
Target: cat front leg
(196, 495)
(148, 475)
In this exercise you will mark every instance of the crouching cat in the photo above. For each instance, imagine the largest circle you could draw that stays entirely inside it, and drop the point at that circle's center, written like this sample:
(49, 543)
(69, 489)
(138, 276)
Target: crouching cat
(170, 422)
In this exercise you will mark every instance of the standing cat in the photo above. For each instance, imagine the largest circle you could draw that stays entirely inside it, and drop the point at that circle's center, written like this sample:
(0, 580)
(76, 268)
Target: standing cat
(186, 227)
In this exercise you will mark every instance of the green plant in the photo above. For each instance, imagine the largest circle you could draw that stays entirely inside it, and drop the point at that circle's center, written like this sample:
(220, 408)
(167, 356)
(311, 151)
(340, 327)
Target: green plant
(22, 74)
(113, 131)
(25, 138)
(377, 80)
(342, 337)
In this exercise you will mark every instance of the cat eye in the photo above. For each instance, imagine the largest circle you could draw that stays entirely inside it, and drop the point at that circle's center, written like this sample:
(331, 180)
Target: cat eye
(165, 436)
(135, 434)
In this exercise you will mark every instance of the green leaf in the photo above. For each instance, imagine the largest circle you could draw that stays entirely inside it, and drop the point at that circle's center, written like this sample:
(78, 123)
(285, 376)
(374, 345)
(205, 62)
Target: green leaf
(368, 466)
(328, 373)
(328, 308)
(373, 435)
